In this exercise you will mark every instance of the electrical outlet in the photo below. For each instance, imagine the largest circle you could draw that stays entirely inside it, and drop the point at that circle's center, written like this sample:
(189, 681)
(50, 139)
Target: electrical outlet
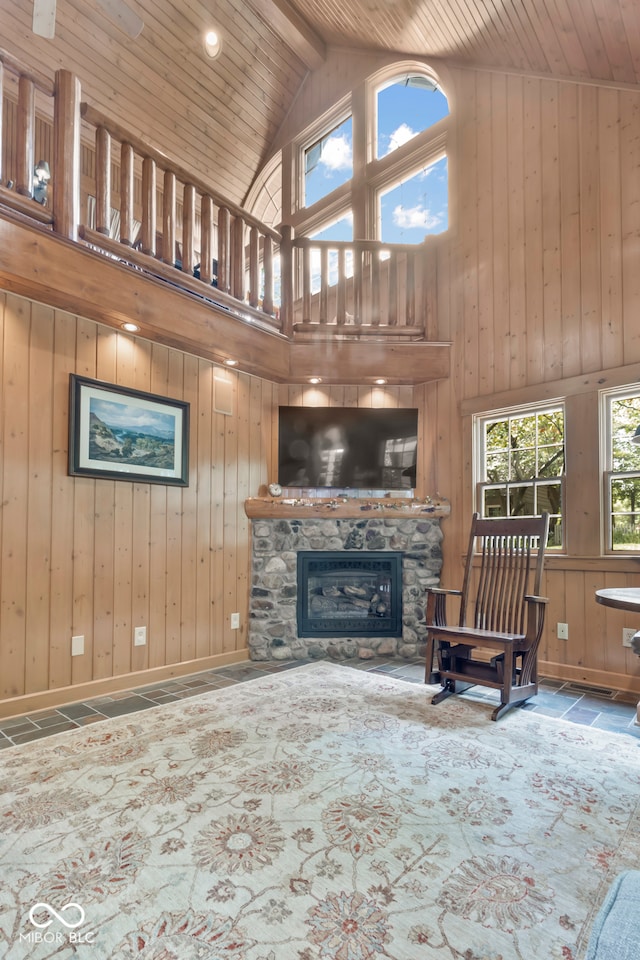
(628, 633)
(139, 636)
(235, 621)
(563, 631)
(77, 646)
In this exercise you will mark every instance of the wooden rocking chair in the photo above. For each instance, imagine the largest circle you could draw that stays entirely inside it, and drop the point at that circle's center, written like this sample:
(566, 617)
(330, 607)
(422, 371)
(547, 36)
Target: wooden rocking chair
(506, 618)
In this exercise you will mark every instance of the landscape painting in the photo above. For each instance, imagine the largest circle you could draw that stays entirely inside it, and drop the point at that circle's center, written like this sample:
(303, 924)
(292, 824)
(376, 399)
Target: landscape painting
(127, 434)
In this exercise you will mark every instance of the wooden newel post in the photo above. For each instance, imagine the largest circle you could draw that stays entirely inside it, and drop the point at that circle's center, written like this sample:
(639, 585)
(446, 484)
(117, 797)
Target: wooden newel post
(66, 161)
(286, 279)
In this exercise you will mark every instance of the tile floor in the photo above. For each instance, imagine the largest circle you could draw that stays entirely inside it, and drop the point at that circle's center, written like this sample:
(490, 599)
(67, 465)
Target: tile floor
(606, 710)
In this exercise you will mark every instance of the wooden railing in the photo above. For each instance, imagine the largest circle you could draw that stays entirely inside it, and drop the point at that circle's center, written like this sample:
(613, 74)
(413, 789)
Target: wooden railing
(364, 288)
(143, 209)
(184, 224)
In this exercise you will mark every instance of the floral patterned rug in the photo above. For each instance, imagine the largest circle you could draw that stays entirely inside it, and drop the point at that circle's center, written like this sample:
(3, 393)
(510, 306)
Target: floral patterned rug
(318, 814)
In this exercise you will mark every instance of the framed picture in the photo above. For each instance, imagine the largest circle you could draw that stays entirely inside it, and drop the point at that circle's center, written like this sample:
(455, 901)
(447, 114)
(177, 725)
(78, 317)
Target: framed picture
(126, 434)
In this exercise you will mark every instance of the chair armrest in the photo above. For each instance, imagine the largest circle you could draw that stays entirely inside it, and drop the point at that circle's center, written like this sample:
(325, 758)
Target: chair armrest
(437, 605)
(536, 609)
(530, 598)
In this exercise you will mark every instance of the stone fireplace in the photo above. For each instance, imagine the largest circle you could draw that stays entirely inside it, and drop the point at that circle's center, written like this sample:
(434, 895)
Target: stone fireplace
(286, 535)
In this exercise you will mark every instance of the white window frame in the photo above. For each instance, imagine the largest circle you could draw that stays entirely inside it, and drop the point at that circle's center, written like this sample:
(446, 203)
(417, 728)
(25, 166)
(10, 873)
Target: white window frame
(607, 397)
(479, 456)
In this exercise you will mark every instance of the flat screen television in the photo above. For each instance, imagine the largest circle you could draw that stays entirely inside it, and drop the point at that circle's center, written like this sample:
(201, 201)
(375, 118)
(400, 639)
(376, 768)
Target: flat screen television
(360, 448)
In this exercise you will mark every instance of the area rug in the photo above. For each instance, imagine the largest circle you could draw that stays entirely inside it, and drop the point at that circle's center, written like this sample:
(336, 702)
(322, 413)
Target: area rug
(322, 813)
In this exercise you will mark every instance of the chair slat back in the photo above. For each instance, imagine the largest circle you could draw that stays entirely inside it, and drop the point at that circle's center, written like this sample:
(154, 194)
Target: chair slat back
(511, 553)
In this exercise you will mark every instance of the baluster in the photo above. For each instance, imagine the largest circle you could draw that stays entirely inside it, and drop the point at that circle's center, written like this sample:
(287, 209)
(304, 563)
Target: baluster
(188, 227)
(103, 181)
(429, 290)
(410, 292)
(206, 239)
(237, 262)
(357, 284)
(169, 218)
(254, 267)
(341, 309)
(375, 288)
(324, 283)
(393, 290)
(149, 206)
(224, 243)
(267, 261)
(306, 284)
(126, 194)
(66, 163)
(286, 279)
(26, 125)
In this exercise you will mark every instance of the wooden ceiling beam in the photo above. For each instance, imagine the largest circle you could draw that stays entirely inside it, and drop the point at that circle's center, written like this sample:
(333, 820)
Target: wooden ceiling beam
(293, 30)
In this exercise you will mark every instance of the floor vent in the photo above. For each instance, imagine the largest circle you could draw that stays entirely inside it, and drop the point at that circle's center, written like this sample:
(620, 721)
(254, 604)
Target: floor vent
(585, 688)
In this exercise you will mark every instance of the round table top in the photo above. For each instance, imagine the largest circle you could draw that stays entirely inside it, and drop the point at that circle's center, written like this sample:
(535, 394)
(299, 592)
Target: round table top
(623, 598)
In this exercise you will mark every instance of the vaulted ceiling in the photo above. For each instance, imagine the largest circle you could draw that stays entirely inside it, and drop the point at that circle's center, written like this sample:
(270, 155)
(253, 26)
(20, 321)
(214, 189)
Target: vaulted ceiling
(219, 117)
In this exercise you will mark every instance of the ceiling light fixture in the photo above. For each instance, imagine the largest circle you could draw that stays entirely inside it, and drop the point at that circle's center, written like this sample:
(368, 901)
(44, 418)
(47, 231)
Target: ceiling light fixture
(380, 381)
(130, 327)
(231, 363)
(212, 44)
(315, 379)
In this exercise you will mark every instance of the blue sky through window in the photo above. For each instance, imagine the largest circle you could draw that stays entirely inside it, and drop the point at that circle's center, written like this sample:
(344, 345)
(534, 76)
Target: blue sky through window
(416, 207)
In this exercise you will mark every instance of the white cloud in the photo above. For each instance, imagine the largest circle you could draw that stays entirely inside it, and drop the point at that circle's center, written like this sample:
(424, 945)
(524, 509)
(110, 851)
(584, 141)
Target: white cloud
(400, 135)
(408, 218)
(337, 154)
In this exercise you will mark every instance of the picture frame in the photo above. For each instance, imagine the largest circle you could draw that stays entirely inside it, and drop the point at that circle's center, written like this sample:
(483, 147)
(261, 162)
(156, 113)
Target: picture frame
(117, 433)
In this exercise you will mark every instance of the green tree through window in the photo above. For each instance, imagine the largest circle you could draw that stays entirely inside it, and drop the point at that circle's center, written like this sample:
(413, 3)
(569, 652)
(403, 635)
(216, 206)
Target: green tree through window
(623, 472)
(521, 466)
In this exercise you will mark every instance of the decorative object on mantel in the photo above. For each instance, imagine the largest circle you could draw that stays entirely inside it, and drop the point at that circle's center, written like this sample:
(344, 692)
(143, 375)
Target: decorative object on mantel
(275, 490)
(264, 507)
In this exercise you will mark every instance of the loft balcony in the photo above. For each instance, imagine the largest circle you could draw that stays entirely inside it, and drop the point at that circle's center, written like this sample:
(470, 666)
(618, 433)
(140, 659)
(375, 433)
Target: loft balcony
(120, 232)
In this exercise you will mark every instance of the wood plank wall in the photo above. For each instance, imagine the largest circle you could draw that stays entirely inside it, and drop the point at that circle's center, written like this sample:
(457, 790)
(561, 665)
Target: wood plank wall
(540, 297)
(89, 557)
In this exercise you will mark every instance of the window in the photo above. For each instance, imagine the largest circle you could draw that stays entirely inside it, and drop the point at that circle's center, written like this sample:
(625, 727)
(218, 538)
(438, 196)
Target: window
(622, 470)
(406, 106)
(415, 207)
(520, 465)
(328, 162)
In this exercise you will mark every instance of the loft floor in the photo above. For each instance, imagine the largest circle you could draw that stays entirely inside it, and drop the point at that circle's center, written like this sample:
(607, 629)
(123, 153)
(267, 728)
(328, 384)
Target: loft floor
(605, 710)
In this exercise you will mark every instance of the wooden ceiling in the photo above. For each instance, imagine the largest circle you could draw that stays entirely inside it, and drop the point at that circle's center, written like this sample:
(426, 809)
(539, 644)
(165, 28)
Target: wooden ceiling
(588, 39)
(220, 117)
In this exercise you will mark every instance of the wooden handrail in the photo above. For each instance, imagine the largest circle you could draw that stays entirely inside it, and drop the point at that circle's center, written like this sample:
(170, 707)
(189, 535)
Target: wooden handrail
(40, 82)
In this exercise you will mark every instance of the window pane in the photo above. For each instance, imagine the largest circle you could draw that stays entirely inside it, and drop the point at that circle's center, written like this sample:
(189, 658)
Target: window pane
(548, 497)
(523, 464)
(497, 466)
(521, 500)
(551, 427)
(416, 207)
(550, 461)
(407, 106)
(625, 519)
(497, 435)
(328, 163)
(494, 502)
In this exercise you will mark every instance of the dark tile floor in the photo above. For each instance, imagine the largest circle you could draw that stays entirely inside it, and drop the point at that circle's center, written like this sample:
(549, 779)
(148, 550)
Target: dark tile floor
(604, 709)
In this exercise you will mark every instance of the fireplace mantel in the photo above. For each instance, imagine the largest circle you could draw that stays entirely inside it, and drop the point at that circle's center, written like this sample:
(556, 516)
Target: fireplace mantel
(353, 508)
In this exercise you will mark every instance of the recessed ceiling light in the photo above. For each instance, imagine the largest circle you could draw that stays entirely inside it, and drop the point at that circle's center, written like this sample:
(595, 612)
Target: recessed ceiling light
(130, 327)
(315, 379)
(212, 44)
(231, 363)
(381, 380)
